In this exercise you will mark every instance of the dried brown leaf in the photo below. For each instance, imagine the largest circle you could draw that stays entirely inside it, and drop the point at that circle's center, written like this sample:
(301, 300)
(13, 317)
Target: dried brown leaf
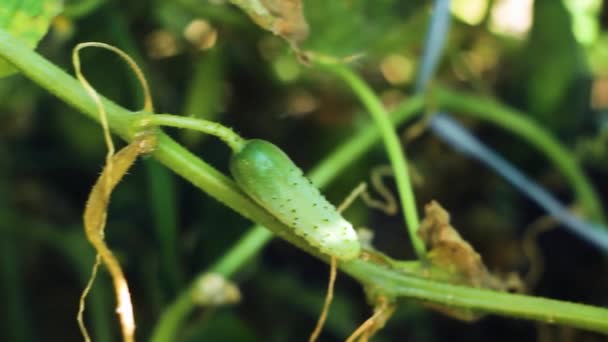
(454, 260)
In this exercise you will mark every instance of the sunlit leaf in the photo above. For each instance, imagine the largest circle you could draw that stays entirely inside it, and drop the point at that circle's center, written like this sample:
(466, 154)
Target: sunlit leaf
(344, 28)
(552, 64)
(585, 19)
(29, 20)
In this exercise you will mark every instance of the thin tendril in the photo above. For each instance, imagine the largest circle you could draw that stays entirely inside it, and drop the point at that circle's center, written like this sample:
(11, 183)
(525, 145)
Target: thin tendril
(81, 303)
(109, 179)
(359, 190)
(103, 116)
(328, 299)
(364, 327)
(148, 105)
(388, 204)
(382, 313)
(333, 267)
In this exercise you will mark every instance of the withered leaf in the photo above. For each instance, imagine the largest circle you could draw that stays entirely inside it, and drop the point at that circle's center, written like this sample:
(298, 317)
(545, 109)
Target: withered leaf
(452, 259)
(448, 251)
(284, 18)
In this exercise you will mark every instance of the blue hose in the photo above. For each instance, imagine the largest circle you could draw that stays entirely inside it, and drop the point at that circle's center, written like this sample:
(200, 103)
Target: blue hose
(452, 133)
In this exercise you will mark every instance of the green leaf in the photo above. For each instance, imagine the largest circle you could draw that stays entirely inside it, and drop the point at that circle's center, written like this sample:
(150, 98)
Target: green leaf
(345, 28)
(28, 20)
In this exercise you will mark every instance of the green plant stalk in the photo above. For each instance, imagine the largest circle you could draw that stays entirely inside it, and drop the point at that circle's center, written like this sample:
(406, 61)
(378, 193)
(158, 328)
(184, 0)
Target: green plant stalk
(245, 249)
(227, 135)
(62, 85)
(519, 124)
(205, 91)
(13, 290)
(258, 236)
(502, 303)
(15, 305)
(176, 313)
(393, 147)
(385, 279)
(163, 204)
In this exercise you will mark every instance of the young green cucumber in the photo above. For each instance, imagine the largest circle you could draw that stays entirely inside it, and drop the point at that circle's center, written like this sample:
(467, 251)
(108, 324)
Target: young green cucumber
(271, 179)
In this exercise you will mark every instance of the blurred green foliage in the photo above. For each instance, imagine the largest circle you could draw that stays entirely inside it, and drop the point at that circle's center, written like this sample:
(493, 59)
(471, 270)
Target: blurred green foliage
(28, 20)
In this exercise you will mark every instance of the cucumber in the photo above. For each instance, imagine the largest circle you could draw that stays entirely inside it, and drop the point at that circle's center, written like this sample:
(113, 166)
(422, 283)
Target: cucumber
(273, 181)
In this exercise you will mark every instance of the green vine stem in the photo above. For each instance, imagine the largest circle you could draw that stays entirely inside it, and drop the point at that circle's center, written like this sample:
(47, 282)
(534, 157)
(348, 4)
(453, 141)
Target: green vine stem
(227, 135)
(205, 177)
(536, 308)
(391, 143)
(519, 124)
